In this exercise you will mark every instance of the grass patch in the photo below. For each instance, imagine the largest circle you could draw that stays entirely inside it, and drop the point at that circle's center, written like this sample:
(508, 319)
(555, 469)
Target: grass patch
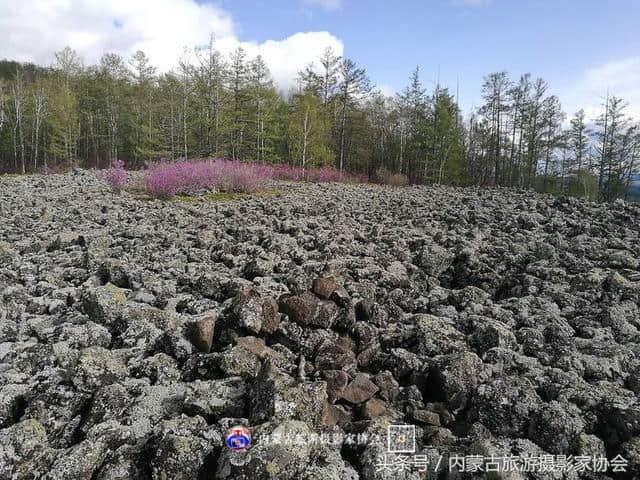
(209, 197)
(269, 193)
(225, 196)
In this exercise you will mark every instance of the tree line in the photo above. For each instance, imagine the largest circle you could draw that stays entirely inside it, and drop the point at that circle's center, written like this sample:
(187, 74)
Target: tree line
(214, 105)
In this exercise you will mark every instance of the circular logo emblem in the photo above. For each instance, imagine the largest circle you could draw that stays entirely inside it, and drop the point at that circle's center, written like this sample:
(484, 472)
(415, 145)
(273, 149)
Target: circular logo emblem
(238, 438)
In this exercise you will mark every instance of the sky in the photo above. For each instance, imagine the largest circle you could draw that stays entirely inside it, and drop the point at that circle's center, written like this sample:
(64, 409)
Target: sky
(583, 48)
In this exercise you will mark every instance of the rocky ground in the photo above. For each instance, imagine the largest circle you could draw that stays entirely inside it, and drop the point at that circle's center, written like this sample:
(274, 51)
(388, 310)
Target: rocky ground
(133, 332)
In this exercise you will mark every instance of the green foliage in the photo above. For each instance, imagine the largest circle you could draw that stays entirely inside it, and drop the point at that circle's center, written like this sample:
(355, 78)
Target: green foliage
(309, 131)
(227, 106)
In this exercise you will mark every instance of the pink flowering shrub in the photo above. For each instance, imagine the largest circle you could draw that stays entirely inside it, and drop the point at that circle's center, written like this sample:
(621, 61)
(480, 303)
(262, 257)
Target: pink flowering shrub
(165, 180)
(47, 170)
(287, 172)
(116, 176)
(238, 177)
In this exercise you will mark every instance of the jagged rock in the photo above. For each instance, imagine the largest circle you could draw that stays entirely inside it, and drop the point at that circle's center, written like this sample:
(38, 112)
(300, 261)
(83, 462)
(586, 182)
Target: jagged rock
(104, 304)
(276, 396)
(437, 336)
(300, 308)
(505, 405)
(109, 403)
(58, 407)
(590, 445)
(336, 380)
(324, 287)
(454, 377)
(216, 398)
(334, 355)
(377, 450)
(434, 259)
(159, 368)
(492, 333)
(333, 415)
(174, 344)
(259, 267)
(257, 347)
(24, 452)
(12, 402)
(426, 417)
(326, 314)
(254, 312)
(360, 389)
(389, 387)
(80, 461)
(201, 331)
(329, 465)
(125, 462)
(239, 361)
(373, 408)
(97, 367)
(556, 426)
(180, 452)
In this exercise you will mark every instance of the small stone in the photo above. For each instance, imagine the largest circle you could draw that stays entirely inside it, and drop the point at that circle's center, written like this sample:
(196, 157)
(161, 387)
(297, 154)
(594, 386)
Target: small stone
(324, 287)
(556, 427)
(389, 387)
(360, 389)
(373, 408)
(201, 331)
(336, 380)
(103, 304)
(247, 310)
(270, 315)
(334, 415)
(238, 361)
(300, 308)
(340, 297)
(364, 310)
(332, 355)
(426, 417)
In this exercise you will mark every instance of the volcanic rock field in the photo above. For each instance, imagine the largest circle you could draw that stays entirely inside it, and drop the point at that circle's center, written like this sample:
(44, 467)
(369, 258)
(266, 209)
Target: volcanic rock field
(135, 332)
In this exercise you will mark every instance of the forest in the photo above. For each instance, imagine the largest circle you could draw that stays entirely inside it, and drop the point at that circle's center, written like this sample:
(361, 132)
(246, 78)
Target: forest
(227, 106)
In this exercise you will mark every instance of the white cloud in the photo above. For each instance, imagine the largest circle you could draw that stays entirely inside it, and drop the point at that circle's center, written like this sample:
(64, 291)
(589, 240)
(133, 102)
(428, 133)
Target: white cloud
(326, 4)
(620, 78)
(471, 3)
(32, 30)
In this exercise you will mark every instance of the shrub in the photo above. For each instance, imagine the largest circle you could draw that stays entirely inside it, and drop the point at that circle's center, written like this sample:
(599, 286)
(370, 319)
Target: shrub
(162, 181)
(316, 175)
(332, 174)
(47, 170)
(287, 172)
(165, 180)
(238, 177)
(398, 180)
(116, 176)
(382, 175)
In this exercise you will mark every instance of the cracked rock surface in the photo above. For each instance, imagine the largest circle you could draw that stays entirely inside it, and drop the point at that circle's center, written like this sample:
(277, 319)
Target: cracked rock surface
(134, 333)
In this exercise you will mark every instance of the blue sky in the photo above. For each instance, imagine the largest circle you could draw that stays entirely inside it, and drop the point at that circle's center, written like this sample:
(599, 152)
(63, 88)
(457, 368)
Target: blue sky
(559, 40)
(581, 47)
